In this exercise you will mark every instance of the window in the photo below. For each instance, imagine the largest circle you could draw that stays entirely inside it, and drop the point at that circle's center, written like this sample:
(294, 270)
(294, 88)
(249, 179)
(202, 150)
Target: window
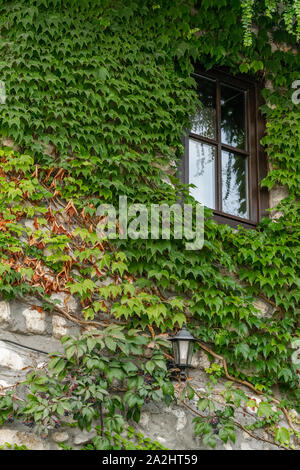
(223, 157)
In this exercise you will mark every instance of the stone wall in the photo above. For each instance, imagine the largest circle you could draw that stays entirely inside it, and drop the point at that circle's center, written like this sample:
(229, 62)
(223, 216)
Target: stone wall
(171, 426)
(26, 336)
(22, 325)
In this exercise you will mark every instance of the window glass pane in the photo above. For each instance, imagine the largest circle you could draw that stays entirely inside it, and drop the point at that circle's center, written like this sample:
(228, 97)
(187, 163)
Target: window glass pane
(233, 117)
(234, 185)
(204, 121)
(202, 172)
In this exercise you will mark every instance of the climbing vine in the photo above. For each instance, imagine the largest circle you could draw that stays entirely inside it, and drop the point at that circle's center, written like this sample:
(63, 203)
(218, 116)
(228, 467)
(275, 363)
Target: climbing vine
(98, 95)
(288, 11)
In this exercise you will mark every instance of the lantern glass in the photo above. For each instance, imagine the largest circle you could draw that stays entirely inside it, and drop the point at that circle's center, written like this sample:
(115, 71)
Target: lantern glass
(190, 353)
(176, 352)
(183, 352)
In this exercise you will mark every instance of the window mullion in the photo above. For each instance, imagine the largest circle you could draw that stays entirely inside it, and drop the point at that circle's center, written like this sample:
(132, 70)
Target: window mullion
(250, 139)
(219, 150)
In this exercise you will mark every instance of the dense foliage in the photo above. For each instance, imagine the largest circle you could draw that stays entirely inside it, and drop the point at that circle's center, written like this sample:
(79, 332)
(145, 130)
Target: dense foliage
(98, 96)
(286, 12)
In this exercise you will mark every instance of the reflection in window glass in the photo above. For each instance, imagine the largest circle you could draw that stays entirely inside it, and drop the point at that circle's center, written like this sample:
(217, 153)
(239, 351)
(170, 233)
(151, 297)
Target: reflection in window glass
(233, 116)
(204, 121)
(234, 185)
(202, 172)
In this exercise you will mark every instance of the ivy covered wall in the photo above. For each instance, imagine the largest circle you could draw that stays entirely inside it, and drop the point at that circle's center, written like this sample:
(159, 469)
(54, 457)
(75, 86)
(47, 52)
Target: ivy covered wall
(98, 95)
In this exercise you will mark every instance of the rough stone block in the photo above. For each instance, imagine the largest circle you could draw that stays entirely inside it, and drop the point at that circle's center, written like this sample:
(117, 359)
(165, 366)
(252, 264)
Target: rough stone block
(60, 437)
(277, 194)
(60, 327)
(263, 307)
(84, 437)
(144, 420)
(4, 312)
(31, 441)
(35, 321)
(68, 302)
(10, 359)
(200, 360)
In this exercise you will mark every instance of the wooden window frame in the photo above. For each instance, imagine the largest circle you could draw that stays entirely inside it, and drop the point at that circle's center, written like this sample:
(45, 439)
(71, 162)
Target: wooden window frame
(257, 159)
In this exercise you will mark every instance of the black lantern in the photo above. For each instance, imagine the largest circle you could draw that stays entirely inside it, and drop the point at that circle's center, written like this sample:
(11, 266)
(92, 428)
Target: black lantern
(183, 344)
